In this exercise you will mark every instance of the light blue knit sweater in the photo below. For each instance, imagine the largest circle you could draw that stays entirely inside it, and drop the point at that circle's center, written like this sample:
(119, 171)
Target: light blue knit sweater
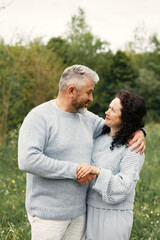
(51, 144)
(114, 188)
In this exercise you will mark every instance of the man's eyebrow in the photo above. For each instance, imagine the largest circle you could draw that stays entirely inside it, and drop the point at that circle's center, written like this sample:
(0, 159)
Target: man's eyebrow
(91, 90)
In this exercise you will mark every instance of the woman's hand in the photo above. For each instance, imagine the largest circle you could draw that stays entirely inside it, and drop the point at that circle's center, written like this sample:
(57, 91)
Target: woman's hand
(84, 169)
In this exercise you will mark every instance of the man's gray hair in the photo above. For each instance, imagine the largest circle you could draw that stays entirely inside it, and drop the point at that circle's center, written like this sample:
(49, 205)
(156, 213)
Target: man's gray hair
(77, 75)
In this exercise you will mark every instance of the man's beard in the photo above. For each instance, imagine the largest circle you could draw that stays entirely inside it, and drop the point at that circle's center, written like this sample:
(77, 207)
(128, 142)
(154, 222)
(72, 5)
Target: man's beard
(82, 110)
(80, 107)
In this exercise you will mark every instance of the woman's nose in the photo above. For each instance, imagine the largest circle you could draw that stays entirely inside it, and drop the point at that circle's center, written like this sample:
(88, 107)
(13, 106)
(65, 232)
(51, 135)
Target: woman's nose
(107, 112)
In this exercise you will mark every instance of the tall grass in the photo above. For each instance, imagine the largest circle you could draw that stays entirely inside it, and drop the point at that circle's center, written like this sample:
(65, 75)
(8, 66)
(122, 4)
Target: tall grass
(147, 202)
(13, 218)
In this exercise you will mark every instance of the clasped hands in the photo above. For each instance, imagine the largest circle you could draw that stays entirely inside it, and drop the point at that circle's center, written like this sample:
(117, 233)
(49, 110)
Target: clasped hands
(86, 173)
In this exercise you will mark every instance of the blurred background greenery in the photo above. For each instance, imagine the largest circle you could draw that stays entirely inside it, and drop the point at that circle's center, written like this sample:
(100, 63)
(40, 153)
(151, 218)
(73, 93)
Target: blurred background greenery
(29, 75)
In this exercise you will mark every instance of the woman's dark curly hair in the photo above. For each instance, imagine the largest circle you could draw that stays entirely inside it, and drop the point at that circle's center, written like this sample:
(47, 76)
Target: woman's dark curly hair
(133, 111)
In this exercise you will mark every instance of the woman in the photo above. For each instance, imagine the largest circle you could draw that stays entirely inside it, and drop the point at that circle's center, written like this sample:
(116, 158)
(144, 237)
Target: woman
(111, 194)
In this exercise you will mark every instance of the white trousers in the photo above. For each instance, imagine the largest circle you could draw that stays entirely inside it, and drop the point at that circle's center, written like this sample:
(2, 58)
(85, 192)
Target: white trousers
(70, 229)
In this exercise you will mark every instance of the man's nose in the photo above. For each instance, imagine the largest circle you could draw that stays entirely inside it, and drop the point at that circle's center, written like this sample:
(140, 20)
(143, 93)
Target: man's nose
(91, 98)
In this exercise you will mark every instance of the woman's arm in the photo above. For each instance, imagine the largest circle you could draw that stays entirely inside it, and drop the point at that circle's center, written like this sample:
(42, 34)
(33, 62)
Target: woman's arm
(115, 188)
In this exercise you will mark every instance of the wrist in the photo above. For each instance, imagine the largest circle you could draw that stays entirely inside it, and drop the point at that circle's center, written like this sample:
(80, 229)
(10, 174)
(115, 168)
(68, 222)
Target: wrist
(98, 171)
(144, 131)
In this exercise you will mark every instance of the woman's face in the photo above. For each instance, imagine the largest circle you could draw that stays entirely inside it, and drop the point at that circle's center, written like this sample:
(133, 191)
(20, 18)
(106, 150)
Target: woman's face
(113, 114)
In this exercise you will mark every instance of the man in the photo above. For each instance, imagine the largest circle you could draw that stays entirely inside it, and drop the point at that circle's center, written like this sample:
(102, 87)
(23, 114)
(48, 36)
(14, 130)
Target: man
(54, 139)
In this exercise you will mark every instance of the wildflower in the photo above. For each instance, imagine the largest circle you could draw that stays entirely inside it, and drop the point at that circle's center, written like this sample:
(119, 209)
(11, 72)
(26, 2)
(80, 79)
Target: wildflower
(157, 221)
(151, 222)
(22, 190)
(14, 189)
(13, 181)
(151, 212)
(6, 192)
(157, 214)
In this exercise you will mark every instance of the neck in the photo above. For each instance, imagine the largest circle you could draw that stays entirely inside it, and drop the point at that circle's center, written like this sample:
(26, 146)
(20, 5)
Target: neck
(113, 132)
(63, 103)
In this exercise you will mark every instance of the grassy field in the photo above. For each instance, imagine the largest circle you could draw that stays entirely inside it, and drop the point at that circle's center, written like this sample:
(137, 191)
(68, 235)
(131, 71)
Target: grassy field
(13, 218)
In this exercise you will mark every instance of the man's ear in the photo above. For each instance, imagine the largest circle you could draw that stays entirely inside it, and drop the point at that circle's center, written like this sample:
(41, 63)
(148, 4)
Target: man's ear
(71, 90)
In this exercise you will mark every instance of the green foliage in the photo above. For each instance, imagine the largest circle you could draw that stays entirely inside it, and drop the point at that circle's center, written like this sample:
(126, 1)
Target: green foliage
(154, 40)
(29, 74)
(122, 72)
(40, 71)
(117, 73)
(83, 46)
(14, 223)
(9, 60)
(103, 92)
(59, 46)
(148, 86)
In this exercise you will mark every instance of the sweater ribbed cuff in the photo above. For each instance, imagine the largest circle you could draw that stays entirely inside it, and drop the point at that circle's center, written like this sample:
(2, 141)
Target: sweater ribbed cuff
(72, 170)
(102, 181)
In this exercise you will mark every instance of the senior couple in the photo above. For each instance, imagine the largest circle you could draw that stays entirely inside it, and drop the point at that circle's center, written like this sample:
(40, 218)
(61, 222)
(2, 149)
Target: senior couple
(73, 157)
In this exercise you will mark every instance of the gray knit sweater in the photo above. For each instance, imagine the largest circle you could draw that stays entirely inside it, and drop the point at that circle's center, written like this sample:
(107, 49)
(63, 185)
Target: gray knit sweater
(51, 144)
(114, 188)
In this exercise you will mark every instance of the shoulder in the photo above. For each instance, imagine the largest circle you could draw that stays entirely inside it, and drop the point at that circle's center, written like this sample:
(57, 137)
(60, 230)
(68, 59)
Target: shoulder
(90, 116)
(39, 113)
(43, 109)
(134, 153)
(46, 106)
(103, 138)
(133, 156)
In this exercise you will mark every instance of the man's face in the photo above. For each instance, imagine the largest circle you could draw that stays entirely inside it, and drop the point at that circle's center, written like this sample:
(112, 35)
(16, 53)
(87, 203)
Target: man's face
(83, 96)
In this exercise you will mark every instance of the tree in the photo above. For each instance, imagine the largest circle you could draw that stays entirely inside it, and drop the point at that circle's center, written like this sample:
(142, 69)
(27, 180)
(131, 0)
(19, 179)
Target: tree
(148, 86)
(59, 47)
(9, 60)
(83, 46)
(156, 43)
(141, 41)
(122, 74)
(103, 90)
(40, 73)
(29, 75)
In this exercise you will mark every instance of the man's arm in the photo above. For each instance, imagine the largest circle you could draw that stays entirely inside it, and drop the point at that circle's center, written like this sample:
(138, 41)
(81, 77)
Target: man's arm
(88, 178)
(33, 138)
(139, 140)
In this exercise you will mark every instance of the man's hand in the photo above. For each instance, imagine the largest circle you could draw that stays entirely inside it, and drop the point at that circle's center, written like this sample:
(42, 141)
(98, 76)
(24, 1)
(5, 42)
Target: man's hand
(139, 140)
(86, 179)
(84, 169)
